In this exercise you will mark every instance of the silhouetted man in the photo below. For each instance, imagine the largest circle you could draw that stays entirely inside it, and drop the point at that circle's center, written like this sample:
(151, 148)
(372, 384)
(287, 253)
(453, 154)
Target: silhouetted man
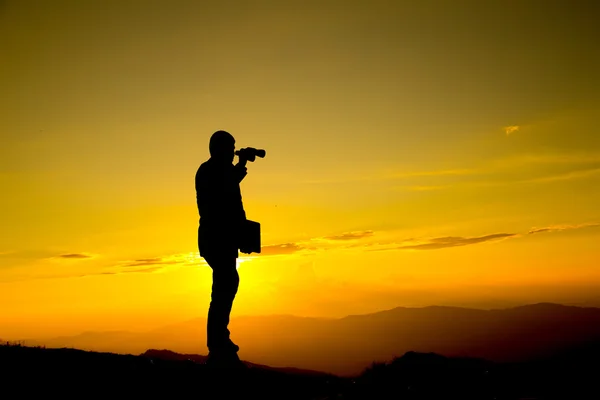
(221, 217)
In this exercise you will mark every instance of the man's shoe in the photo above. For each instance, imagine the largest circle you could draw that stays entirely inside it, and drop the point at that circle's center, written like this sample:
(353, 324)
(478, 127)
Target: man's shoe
(227, 360)
(228, 347)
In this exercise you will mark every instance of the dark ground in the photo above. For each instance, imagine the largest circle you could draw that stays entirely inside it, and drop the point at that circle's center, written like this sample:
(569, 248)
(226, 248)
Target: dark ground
(27, 372)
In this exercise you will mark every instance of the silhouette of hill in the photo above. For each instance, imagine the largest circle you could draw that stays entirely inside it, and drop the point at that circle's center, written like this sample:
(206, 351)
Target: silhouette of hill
(568, 375)
(200, 359)
(48, 372)
(346, 346)
(72, 373)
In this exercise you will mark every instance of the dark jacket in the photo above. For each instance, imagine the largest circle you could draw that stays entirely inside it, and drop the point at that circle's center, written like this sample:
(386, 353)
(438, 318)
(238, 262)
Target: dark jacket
(219, 201)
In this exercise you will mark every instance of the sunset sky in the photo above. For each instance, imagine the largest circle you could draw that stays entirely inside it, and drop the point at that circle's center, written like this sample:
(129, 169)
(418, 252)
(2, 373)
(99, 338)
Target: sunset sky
(418, 153)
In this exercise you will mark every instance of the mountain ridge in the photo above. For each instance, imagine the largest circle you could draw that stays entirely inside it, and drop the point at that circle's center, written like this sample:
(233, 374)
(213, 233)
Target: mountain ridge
(69, 373)
(348, 344)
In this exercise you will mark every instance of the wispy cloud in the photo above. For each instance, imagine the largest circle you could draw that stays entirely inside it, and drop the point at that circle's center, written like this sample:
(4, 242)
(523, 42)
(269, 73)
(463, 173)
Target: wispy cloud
(572, 175)
(436, 243)
(440, 172)
(499, 179)
(350, 235)
(494, 172)
(148, 265)
(169, 261)
(511, 129)
(365, 240)
(383, 176)
(318, 243)
(558, 228)
(142, 262)
(425, 188)
(525, 168)
(455, 241)
(368, 241)
(525, 159)
(76, 256)
(141, 270)
(280, 249)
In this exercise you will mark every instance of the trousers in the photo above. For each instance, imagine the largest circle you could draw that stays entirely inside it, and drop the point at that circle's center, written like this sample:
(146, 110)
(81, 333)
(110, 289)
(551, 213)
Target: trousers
(225, 282)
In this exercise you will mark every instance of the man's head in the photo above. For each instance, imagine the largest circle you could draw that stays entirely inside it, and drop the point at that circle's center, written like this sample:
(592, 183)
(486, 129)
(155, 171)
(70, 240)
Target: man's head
(222, 146)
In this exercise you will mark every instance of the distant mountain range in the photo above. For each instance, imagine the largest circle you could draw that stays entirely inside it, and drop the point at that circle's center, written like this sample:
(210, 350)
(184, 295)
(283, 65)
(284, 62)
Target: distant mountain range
(348, 345)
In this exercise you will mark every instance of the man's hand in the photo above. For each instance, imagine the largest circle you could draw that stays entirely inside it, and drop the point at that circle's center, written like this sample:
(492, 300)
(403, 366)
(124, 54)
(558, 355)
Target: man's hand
(241, 163)
(240, 170)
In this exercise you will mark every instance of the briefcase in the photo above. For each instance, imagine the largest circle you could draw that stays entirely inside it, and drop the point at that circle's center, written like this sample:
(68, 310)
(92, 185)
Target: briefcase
(250, 237)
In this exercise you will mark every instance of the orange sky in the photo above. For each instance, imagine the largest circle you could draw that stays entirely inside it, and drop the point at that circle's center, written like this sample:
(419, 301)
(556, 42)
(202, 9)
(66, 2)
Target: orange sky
(417, 154)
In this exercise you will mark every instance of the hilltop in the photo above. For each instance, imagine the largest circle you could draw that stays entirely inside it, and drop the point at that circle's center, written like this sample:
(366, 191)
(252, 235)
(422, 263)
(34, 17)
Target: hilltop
(40, 371)
(71, 373)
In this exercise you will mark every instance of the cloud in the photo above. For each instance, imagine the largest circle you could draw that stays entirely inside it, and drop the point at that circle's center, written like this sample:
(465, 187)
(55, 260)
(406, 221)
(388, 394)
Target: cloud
(494, 172)
(496, 179)
(142, 270)
(558, 228)
(447, 241)
(548, 158)
(511, 129)
(350, 235)
(318, 243)
(379, 176)
(338, 241)
(179, 260)
(517, 169)
(149, 261)
(150, 265)
(583, 173)
(79, 256)
(440, 172)
(456, 241)
(425, 188)
(280, 249)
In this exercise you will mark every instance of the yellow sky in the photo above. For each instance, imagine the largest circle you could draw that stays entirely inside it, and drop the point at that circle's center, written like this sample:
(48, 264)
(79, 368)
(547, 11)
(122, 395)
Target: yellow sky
(417, 154)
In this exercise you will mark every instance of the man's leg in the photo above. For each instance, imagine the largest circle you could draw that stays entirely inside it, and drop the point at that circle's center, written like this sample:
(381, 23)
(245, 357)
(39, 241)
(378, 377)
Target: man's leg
(224, 288)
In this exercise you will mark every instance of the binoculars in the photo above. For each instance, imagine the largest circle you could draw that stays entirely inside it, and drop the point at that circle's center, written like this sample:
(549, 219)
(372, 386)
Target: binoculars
(250, 153)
